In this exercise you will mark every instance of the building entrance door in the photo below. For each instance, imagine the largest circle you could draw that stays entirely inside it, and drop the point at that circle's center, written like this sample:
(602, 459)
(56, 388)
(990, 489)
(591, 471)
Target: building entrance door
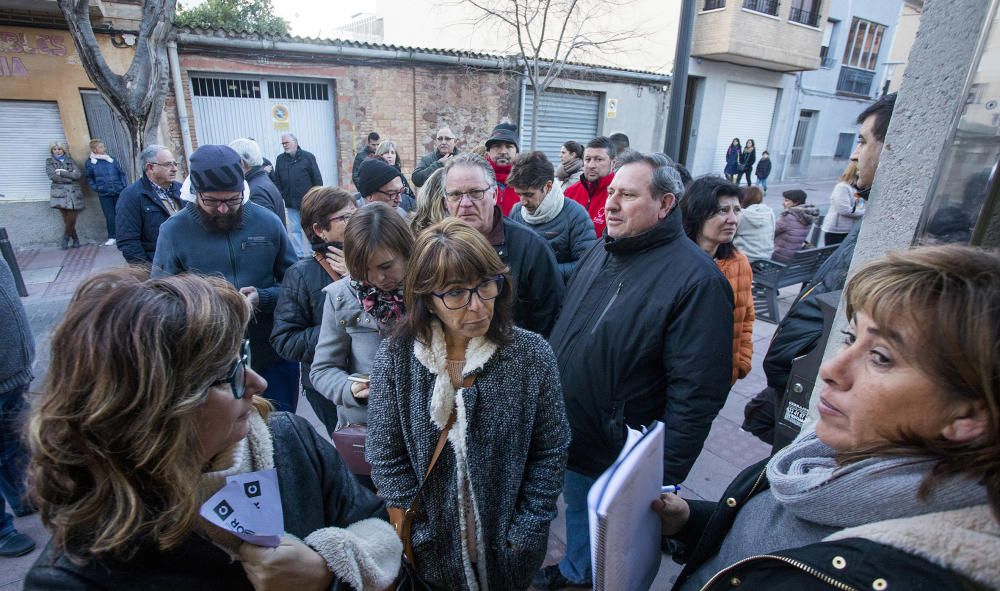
(798, 163)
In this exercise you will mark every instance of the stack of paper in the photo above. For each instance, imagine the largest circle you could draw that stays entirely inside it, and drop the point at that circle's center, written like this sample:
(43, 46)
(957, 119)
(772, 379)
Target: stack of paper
(624, 530)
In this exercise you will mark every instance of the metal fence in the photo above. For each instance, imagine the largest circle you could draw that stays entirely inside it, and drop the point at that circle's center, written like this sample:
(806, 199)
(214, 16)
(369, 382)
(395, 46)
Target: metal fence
(763, 6)
(855, 81)
(714, 4)
(805, 17)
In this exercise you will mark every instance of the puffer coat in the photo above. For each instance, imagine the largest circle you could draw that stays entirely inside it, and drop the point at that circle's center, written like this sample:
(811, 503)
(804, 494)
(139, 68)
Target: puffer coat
(792, 229)
(66, 192)
(740, 275)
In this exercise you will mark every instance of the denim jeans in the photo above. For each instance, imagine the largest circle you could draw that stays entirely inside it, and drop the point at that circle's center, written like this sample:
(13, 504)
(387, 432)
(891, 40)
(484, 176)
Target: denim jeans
(282, 384)
(575, 565)
(13, 456)
(302, 247)
(762, 183)
(108, 205)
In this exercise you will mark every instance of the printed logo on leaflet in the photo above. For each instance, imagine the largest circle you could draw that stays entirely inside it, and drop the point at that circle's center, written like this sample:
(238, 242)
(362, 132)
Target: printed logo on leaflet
(599, 218)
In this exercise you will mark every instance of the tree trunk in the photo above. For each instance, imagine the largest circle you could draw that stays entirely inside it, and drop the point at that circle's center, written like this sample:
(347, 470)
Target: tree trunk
(535, 98)
(139, 94)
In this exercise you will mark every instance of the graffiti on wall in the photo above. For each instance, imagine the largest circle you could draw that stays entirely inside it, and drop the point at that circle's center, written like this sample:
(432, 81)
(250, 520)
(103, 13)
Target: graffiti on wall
(12, 44)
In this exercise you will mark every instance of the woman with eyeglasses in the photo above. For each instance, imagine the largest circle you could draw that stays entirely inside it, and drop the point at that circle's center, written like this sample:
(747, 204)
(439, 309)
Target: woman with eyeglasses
(150, 405)
(360, 309)
(299, 312)
(458, 365)
(711, 208)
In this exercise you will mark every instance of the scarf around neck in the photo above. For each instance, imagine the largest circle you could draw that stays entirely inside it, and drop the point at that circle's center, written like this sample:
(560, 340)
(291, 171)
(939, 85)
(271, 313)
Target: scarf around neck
(548, 209)
(806, 479)
(564, 171)
(386, 307)
(95, 157)
(501, 172)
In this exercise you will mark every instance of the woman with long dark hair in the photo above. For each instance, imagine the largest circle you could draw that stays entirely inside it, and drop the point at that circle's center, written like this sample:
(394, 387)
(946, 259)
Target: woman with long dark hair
(747, 157)
(733, 160)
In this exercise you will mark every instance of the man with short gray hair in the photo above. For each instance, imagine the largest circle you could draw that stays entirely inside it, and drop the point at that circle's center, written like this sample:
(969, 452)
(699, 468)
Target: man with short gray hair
(444, 148)
(262, 189)
(645, 334)
(295, 172)
(470, 192)
(147, 203)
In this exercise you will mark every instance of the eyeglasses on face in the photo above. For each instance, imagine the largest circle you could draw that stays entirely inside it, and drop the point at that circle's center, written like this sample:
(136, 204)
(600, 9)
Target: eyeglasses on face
(237, 376)
(231, 202)
(392, 194)
(340, 218)
(171, 164)
(460, 297)
(444, 138)
(473, 194)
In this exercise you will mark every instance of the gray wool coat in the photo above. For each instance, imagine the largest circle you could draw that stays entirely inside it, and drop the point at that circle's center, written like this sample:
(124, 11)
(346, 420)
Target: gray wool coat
(510, 439)
(348, 341)
(65, 192)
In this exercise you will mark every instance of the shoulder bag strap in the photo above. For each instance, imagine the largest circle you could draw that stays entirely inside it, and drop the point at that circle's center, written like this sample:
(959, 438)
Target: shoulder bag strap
(326, 266)
(442, 440)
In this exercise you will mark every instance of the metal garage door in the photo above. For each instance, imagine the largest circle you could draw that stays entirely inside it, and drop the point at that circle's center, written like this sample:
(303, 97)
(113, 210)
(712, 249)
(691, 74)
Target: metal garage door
(562, 116)
(106, 125)
(235, 107)
(28, 129)
(747, 112)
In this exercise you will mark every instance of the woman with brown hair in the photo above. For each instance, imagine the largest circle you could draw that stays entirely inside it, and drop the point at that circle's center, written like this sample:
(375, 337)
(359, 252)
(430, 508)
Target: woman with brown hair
(299, 312)
(755, 235)
(458, 371)
(66, 195)
(897, 486)
(360, 309)
(150, 406)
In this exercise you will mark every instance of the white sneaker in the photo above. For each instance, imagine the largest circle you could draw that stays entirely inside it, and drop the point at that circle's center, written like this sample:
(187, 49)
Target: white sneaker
(110, 242)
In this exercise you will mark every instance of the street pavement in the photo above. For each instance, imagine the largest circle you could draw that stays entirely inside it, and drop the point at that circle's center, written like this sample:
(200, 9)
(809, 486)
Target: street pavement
(51, 275)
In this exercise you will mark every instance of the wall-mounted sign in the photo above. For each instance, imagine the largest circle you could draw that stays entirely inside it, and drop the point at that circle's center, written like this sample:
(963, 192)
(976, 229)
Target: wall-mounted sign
(279, 115)
(612, 108)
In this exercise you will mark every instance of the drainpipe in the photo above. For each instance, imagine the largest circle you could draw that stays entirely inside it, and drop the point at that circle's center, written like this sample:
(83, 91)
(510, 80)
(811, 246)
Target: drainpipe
(182, 113)
(794, 118)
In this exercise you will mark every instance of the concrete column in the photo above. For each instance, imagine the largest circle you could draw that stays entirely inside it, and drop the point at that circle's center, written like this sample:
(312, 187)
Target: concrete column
(930, 98)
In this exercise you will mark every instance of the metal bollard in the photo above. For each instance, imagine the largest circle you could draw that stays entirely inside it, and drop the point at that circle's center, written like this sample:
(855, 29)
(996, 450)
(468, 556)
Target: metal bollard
(8, 254)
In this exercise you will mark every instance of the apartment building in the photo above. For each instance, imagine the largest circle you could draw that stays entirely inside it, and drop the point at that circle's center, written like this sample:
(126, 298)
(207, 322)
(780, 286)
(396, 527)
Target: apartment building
(790, 75)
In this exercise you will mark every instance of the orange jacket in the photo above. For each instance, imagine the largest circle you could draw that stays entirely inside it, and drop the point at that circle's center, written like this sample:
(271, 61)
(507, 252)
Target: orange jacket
(737, 270)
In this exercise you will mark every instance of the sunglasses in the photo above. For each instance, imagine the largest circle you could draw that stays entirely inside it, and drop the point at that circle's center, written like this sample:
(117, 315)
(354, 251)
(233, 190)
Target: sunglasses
(237, 376)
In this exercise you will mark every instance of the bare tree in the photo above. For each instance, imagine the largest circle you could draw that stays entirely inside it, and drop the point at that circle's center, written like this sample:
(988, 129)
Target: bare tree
(548, 34)
(138, 94)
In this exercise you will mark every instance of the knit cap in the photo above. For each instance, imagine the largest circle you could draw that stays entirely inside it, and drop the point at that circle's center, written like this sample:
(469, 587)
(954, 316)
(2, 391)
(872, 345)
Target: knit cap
(504, 132)
(374, 173)
(216, 168)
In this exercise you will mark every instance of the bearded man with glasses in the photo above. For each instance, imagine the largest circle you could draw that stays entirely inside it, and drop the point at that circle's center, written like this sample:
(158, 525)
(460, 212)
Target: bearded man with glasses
(223, 233)
(471, 195)
(444, 149)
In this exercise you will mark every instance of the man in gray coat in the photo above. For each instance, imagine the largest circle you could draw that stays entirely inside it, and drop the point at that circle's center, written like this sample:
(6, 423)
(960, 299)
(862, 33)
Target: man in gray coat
(443, 150)
(562, 222)
(17, 352)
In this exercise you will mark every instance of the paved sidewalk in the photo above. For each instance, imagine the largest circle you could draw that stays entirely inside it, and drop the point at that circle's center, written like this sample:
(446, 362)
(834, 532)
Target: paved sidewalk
(51, 275)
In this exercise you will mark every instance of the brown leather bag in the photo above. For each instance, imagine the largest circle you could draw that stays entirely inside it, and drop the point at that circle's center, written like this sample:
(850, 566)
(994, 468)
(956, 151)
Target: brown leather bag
(350, 443)
(402, 519)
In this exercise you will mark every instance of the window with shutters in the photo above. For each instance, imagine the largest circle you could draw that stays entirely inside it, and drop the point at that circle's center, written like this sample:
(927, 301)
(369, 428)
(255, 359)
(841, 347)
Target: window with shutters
(845, 145)
(857, 71)
(805, 12)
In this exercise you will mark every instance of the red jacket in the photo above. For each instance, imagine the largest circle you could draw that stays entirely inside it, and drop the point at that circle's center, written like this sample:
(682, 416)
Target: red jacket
(506, 197)
(592, 197)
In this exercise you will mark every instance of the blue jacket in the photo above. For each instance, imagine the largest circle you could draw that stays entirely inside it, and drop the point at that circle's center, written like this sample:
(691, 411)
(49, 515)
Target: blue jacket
(17, 348)
(255, 253)
(105, 178)
(570, 234)
(138, 216)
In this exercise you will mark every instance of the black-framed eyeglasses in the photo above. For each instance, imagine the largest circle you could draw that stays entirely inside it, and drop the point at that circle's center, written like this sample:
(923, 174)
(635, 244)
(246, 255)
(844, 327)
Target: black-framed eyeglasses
(340, 218)
(171, 164)
(393, 194)
(472, 194)
(460, 297)
(237, 376)
(443, 138)
(232, 202)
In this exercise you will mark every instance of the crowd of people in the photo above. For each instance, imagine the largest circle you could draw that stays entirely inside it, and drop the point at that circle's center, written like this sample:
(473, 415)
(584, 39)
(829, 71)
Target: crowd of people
(478, 349)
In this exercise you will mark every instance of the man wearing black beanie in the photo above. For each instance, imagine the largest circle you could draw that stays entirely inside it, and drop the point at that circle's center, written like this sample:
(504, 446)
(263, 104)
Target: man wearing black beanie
(223, 233)
(380, 182)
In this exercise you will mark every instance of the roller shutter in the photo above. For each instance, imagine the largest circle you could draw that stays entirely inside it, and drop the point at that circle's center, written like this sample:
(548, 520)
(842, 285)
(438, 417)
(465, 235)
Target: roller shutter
(747, 112)
(28, 129)
(562, 116)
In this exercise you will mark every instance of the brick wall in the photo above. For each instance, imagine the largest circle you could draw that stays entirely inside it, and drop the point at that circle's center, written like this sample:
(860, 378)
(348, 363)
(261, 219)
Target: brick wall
(403, 102)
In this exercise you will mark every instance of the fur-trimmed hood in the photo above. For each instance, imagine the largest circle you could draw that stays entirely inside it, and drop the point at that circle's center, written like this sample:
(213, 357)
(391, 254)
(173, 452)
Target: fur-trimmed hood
(966, 541)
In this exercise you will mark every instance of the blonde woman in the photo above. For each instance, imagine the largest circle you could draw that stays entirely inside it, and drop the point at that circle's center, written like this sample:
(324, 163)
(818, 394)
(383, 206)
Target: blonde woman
(846, 208)
(151, 403)
(65, 193)
(430, 203)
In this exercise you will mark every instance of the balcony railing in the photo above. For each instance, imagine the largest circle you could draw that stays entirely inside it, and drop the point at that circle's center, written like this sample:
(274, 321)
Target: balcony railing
(804, 17)
(855, 81)
(714, 4)
(763, 6)
(827, 63)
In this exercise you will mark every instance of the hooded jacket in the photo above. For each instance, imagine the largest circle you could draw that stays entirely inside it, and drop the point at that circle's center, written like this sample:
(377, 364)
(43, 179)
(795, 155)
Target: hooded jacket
(569, 233)
(104, 177)
(755, 235)
(792, 230)
(592, 196)
(645, 334)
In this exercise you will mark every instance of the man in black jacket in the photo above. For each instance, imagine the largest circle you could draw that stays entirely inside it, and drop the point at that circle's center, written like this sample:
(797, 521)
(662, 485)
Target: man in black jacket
(262, 190)
(365, 153)
(444, 148)
(295, 172)
(645, 334)
(802, 326)
(145, 204)
(471, 195)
